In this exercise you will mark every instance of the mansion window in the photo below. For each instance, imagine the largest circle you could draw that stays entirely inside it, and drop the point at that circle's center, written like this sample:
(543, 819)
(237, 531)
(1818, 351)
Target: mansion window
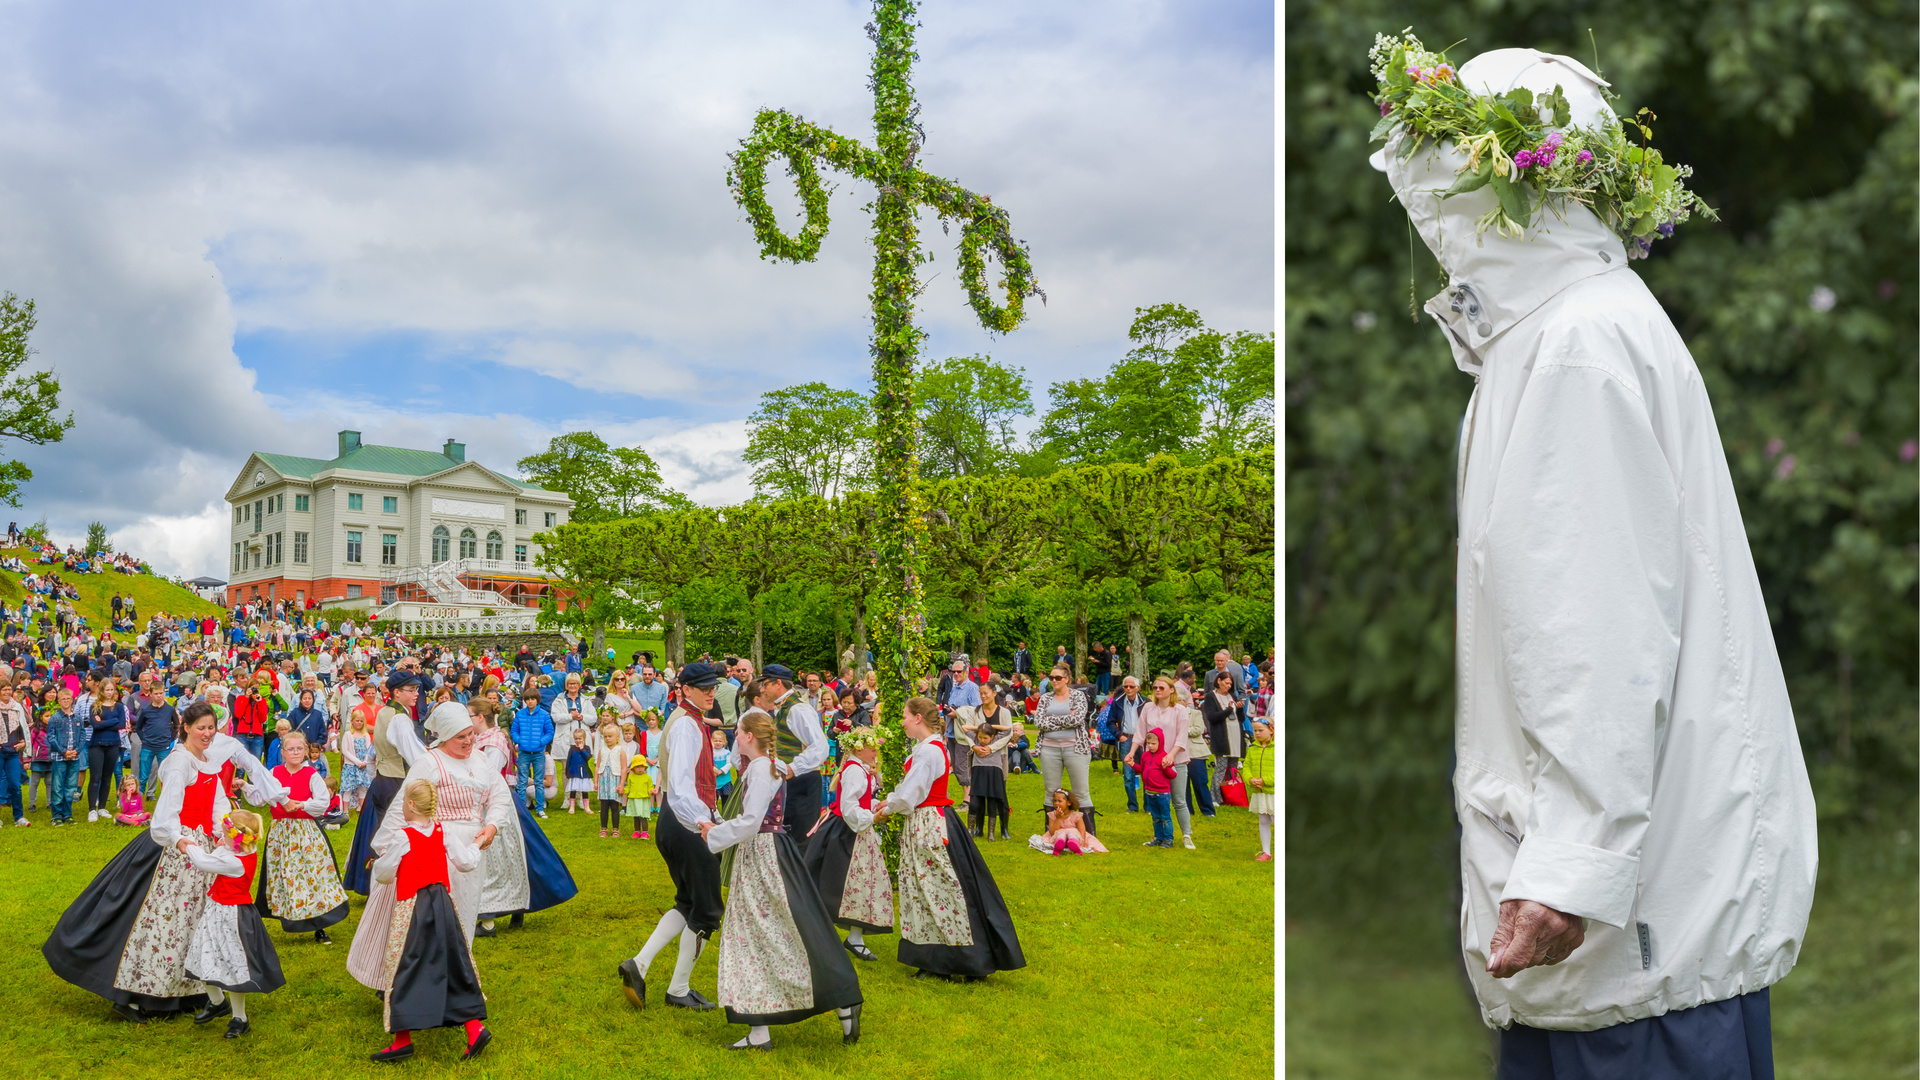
(300, 546)
(356, 502)
(520, 554)
(389, 550)
(550, 519)
(353, 547)
(496, 547)
(442, 544)
(389, 504)
(301, 503)
(469, 544)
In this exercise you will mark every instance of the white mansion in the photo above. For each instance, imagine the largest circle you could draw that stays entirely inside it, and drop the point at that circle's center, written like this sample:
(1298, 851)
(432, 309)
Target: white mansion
(388, 526)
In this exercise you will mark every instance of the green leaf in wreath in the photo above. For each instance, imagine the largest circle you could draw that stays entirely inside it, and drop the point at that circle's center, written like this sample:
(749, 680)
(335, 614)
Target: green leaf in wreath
(1644, 226)
(1513, 200)
(1381, 129)
(1471, 180)
(1663, 179)
(1640, 204)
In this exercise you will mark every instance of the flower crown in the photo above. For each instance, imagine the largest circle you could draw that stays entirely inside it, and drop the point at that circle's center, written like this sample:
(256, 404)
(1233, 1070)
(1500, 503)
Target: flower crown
(1634, 193)
(861, 738)
(238, 837)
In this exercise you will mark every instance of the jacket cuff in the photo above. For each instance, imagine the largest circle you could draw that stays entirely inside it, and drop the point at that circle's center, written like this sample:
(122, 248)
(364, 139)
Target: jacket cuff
(1590, 882)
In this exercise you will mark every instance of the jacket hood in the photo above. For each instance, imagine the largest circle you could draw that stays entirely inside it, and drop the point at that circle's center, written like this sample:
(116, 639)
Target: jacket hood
(1494, 281)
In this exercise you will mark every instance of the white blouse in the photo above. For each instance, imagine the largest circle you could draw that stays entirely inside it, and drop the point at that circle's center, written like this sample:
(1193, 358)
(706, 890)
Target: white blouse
(853, 782)
(926, 764)
(461, 857)
(177, 772)
(475, 772)
(761, 788)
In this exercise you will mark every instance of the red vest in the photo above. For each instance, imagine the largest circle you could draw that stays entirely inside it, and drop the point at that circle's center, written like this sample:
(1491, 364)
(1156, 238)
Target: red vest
(424, 864)
(937, 794)
(299, 788)
(196, 804)
(704, 783)
(234, 891)
(866, 797)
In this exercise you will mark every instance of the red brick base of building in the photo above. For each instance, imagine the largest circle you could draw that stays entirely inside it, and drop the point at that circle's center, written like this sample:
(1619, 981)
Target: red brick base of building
(300, 590)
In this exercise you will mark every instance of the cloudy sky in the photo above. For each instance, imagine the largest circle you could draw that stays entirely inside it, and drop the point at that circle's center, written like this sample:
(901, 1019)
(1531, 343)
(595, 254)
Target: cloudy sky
(247, 225)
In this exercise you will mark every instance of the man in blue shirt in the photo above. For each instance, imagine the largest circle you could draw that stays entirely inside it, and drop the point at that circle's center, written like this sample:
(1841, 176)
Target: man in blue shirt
(532, 734)
(651, 693)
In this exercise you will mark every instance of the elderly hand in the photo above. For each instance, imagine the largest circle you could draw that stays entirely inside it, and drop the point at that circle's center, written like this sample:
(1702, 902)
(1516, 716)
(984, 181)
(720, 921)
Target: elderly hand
(486, 837)
(1530, 935)
(705, 828)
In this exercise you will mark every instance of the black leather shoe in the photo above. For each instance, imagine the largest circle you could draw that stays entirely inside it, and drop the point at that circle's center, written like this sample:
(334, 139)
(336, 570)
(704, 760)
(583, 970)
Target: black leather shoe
(479, 1044)
(483, 930)
(321, 937)
(236, 1028)
(214, 1012)
(743, 1044)
(634, 982)
(130, 1013)
(851, 1036)
(861, 951)
(693, 1000)
(401, 1054)
(519, 919)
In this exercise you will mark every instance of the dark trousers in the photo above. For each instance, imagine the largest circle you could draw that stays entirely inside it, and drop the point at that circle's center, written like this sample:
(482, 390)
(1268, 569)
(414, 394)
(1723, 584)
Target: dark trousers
(10, 781)
(610, 807)
(1725, 1040)
(1129, 777)
(101, 764)
(1200, 791)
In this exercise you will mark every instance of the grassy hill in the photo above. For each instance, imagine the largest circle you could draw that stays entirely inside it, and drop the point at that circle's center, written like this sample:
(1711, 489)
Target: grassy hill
(151, 596)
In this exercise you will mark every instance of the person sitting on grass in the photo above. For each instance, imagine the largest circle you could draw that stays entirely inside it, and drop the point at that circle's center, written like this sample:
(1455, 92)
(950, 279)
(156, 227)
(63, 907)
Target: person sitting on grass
(1066, 830)
(133, 808)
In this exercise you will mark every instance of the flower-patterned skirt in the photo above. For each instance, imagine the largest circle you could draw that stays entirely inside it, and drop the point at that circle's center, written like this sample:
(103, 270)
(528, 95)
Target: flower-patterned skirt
(851, 873)
(780, 959)
(933, 909)
(125, 936)
(300, 878)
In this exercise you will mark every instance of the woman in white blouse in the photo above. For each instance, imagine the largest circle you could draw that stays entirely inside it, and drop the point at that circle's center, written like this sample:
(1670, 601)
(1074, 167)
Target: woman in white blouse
(953, 922)
(125, 937)
(472, 806)
(780, 958)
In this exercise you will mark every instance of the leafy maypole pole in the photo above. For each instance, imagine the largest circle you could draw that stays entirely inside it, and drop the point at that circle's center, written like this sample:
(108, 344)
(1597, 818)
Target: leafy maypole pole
(901, 190)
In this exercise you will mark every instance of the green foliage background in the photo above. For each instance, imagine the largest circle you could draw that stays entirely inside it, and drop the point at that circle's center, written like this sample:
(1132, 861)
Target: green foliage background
(1800, 123)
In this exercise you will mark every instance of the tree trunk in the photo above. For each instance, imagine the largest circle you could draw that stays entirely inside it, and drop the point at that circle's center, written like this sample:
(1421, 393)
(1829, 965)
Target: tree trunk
(759, 647)
(860, 640)
(676, 643)
(977, 607)
(1137, 646)
(1236, 646)
(839, 640)
(599, 642)
(1080, 643)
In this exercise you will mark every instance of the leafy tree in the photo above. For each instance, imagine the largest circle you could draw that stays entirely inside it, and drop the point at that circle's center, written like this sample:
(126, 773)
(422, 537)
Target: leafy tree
(762, 546)
(29, 400)
(967, 408)
(982, 538)
(1225, 548)
(604, 482)
(808, 440)
(97, 538)
(1116, 527)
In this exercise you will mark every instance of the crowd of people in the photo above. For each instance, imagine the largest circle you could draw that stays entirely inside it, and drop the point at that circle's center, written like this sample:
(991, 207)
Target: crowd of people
(449, 757)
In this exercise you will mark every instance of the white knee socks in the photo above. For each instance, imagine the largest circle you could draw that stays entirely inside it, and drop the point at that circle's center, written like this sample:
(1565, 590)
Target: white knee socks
(215, 995)
(683, 970)
(239, 1007)
(853, 936)
(670, 926)
(1266, 833)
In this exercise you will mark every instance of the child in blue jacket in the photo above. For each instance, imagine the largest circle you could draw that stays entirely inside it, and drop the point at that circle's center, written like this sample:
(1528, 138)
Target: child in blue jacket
(532, 734)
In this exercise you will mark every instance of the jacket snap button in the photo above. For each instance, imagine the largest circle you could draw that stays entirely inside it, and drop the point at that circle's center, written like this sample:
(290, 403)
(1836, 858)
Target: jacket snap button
(1485, 329)
(1605, 258)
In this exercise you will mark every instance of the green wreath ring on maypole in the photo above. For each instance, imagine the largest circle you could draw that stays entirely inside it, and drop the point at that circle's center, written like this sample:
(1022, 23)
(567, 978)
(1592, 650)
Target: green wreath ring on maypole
(901, 191)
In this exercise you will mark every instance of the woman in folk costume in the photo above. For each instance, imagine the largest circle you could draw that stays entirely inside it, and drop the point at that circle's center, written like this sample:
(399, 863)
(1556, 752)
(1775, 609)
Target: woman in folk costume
(953, 922)
(843, 854)
(396, 743)
(780, 960)
(687, 799)
(427, 959)
(520, 871)
(230, 951)
(470, 803)
(300, 885)
(125, 936)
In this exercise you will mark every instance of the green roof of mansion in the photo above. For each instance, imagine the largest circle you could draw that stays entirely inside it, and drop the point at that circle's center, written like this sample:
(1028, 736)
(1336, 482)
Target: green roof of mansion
(391, 460)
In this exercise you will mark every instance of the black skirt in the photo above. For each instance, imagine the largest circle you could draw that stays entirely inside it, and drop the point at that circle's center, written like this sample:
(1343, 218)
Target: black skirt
(86, 944)
(829, 965)
(695, 872)
(298, 926)
(359, 873)
(263, 963)
(995, 945)
(803, 803)
(989, 784)
(829, 853)
(434, 983)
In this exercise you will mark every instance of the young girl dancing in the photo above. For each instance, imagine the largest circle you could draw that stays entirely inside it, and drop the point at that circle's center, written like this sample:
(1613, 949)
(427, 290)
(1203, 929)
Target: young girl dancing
(780, 960)
(230, 950)
(953, 922)
(430, 975)
(301, 886)
(843, 854)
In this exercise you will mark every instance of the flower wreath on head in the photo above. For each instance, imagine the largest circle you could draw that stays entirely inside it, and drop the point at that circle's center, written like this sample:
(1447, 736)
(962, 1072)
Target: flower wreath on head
(1634, 193)
(238, 837)
(861, 738)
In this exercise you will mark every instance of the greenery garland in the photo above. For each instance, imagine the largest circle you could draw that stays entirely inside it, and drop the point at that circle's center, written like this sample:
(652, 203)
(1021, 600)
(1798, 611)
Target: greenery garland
(901, 189)
(1524, 149)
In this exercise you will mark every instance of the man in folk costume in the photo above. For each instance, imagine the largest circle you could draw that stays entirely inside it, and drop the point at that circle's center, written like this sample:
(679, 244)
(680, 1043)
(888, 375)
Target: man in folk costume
(801, 744)
(396, 743)
(687, 798)
(470, 802)
(1637, 827)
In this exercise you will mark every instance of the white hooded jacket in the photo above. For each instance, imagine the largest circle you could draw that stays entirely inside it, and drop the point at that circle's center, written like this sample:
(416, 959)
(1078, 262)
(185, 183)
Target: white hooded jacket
(1626, 749)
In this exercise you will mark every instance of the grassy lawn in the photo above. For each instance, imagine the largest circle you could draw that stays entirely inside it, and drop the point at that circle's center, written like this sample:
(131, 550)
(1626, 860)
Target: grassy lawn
(1374, 1003)
(151, 596)
(1143, 962)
